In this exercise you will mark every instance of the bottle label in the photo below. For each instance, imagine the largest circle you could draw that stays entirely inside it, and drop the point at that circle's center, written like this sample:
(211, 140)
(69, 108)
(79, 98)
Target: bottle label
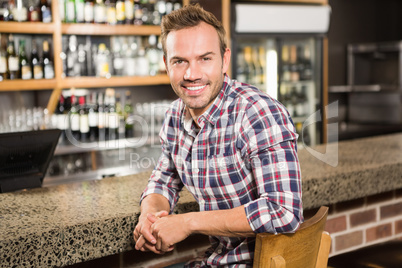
(38, 72)
(130, 65)
(118, 63)
(49, 72)
(26, 72)
(84, 123)
(111, 15)
(34, 15)
(62, 122)
(102, 120)
(93, 119)
(13, 64)
(46, 16)
(3, 64)
(113, 120)
(75, 122)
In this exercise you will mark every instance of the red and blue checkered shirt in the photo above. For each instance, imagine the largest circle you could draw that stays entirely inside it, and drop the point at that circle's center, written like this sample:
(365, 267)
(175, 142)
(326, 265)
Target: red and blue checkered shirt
(244, 153)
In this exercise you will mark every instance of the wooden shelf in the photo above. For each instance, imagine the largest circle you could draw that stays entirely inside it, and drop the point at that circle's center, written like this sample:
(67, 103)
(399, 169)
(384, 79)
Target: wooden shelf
(27, 27)
(94, 82)
(18, 85)
(104, 29)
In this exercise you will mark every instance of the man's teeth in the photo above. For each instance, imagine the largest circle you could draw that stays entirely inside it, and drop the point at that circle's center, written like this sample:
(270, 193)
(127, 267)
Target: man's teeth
(195, 88)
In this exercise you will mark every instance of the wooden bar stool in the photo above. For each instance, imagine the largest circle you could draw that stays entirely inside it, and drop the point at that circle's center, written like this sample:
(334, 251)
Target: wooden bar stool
(308, 247)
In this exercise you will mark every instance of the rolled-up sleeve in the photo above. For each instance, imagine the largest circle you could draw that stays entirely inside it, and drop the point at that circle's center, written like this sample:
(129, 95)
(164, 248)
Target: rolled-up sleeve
(269, 143)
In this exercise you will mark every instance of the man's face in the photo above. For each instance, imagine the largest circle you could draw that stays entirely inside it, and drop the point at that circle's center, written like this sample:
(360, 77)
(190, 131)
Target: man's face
(195, 65)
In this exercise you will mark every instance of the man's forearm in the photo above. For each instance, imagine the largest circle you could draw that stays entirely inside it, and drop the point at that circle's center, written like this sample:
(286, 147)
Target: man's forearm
(154, 203)
(230, 223)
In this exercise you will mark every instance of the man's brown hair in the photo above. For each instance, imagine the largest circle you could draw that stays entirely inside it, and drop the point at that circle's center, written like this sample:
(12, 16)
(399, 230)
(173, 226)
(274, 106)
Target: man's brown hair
(190, 16)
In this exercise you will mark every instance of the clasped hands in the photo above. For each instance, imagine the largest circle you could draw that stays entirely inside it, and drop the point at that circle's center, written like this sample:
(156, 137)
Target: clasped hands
(159, 232)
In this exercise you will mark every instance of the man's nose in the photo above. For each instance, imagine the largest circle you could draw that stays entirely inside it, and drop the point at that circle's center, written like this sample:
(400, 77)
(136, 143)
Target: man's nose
(193, 72)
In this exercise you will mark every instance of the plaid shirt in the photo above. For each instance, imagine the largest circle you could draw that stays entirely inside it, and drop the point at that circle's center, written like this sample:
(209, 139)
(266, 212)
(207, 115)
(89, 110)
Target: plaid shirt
(243, 154)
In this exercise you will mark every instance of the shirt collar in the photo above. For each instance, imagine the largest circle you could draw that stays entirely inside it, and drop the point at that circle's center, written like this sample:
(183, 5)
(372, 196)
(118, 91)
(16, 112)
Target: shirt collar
(212, 114)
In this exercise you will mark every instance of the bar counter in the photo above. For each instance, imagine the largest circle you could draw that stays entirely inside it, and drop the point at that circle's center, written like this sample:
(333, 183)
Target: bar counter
(71, 223)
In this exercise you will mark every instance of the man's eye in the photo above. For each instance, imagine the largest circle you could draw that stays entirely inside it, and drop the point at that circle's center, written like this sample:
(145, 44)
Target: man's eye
(206, 58)
(178, 62)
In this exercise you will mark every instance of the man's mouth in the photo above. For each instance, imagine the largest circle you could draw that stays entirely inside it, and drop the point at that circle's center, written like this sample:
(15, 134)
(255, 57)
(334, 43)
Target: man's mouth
(195, 88)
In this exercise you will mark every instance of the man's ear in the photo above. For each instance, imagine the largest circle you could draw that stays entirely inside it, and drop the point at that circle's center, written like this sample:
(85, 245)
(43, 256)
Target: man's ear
(226, 60)
(166, 67)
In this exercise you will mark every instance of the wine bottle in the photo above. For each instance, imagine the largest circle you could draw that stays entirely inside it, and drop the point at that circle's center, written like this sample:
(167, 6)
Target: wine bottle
(152, 55)
(75, 118)
(33, 11)
(100, 12)
(25, 67)
(128, 113)
(70, 11)
(120, 12)
(48, 67)
(93, 117)
(79, 11)
(89, 11)
(61, 117)
(46, 12)
(12, 59)
(84, 120)
(20, 12)
(3, 60)
(103, 61)
(129, 11)
(294, 70)
(111, 12)
(37, 65)
(72, 57)
(113, 117)
(101, 118)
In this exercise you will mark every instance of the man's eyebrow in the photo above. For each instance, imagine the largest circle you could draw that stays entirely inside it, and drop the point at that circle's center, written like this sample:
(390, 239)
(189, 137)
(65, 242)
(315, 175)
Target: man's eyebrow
(201, 56)
(207, 53)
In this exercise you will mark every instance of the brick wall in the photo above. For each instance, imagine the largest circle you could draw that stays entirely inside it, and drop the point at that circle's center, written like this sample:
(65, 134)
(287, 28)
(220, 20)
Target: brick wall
(363, 222)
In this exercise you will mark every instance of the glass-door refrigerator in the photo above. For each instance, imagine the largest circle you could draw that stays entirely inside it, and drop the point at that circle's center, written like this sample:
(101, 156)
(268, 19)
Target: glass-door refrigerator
(279, 49)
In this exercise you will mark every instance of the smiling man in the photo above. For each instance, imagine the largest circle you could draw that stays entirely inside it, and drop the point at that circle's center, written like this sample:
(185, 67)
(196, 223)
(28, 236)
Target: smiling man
(232, 146)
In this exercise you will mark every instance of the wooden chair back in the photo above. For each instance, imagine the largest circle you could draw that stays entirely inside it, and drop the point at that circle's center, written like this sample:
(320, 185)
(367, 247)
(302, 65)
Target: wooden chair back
(308, 247)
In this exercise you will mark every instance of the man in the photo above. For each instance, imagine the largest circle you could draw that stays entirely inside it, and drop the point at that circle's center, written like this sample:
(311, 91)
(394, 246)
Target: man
(232, 146)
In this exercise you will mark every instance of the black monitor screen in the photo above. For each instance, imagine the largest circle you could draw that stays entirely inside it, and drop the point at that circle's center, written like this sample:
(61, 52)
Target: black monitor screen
(25, 157)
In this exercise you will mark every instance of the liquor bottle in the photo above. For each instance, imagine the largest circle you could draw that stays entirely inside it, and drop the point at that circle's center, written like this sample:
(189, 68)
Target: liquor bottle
(25, 67)
(285, 63)
(70, 11)
(263, 64)
(46, 11)
(129, 11)
(79, 11)
(72, 57)
(48, 67)
(251, 70)
(3, 60)
(82, 60)
(103, 61)
(241, 68)
(101, 118)
(62, 10)
(142, 63)
(294, 70)
(169, 6)
(258, 68)
(162, 67)
(111, 12)
(8, 14)
(120, 12)
(129, 56)
(176, 4)
(160, 7)
(89, 11)
(99, 12)
(118, 60)
(121, 125)
(128, 113)
(75, 118)
(33, 11)
(84, 120)
(152, 55)
(113, 117)
(138, 13)
(61, 118)
(93, 118)
(307, 70)
(20, 12)
(12, 59)
(36, 63)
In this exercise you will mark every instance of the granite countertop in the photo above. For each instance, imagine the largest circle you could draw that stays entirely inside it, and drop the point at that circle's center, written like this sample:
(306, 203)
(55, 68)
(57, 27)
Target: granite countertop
(71, 223)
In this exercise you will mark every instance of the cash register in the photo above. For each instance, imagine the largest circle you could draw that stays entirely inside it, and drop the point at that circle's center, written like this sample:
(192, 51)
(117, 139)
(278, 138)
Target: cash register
(25, 157)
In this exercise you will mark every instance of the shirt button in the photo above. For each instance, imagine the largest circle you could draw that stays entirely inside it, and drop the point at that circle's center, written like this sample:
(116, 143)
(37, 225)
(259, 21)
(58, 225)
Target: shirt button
(196, 170)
